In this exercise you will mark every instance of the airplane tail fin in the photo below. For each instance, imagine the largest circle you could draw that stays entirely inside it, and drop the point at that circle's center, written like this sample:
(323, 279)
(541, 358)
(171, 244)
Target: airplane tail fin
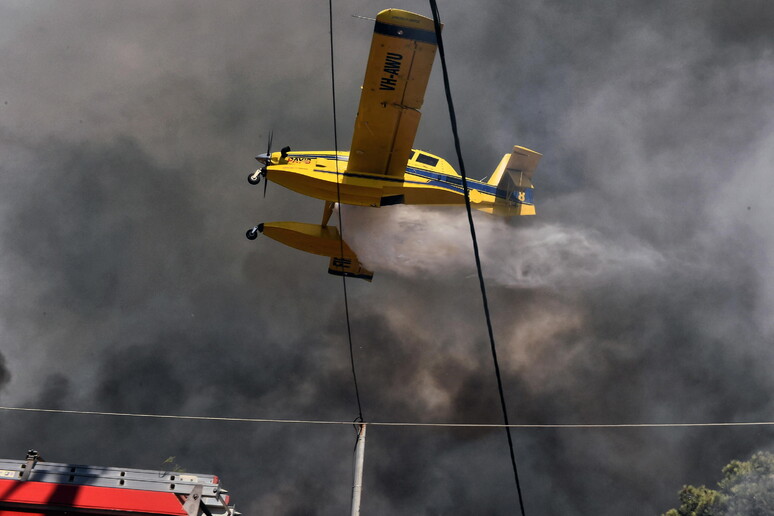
(513, 178)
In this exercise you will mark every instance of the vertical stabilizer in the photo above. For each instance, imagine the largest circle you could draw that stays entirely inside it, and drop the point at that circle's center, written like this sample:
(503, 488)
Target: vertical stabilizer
(519, 165)
(513, 178)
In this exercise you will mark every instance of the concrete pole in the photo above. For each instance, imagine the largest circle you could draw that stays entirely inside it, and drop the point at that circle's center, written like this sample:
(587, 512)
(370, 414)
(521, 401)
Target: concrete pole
(357, 487)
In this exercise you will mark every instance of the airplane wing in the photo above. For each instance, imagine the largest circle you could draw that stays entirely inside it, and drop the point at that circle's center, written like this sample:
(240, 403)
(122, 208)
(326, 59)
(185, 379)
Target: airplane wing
(402, 54)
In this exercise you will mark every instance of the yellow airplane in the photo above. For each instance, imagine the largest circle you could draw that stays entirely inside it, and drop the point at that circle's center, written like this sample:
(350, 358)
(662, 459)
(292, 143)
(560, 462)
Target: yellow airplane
(381, 168)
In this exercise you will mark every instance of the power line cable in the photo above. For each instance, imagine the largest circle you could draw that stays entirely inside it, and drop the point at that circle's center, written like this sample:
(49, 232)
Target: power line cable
(547, 426)
(341, 227)
(437, 22)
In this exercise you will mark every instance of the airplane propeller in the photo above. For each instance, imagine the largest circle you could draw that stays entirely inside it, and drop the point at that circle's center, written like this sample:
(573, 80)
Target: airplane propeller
(255, 177)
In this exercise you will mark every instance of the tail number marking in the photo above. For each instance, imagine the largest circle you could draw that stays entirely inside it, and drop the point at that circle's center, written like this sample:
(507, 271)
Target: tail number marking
(392, 65)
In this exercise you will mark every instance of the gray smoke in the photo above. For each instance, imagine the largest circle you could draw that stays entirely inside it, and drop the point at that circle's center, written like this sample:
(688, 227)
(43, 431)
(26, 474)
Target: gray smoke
(5, 374)
(641, 292)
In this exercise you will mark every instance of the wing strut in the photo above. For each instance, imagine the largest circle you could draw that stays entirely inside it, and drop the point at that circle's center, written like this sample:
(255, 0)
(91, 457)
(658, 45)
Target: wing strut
(327, 212)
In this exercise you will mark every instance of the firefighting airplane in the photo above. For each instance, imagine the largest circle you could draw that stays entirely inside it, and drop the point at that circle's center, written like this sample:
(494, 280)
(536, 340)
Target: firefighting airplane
(381, 168)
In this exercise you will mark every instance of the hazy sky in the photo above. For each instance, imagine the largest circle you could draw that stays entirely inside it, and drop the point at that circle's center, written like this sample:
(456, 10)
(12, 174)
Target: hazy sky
(641, 291)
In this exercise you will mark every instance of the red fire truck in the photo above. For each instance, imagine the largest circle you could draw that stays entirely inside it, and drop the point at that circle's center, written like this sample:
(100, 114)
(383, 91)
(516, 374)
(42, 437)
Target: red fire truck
(32, 487)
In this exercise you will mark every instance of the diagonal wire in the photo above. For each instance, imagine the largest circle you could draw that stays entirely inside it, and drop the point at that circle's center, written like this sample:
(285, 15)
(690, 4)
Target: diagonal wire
(341, 228)
(436, 19)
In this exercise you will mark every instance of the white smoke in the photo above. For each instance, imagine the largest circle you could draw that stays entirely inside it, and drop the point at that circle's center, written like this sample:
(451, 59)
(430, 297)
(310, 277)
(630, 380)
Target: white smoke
(413, 241)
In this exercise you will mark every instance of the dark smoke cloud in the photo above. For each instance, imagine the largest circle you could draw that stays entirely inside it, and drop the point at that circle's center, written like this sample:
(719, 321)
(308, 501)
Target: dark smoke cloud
(640, 293)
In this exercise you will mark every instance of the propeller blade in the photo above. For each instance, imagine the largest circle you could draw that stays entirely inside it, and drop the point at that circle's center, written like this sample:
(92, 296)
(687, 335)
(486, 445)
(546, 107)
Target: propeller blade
(255, 177)
(265, 184)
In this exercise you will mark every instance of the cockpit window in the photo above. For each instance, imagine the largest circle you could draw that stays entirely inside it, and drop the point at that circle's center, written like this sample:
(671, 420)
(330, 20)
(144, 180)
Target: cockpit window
(426, 160)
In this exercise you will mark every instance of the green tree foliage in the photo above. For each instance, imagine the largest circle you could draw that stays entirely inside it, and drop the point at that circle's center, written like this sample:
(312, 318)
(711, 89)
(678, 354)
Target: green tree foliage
(699, 501)
(747, 489)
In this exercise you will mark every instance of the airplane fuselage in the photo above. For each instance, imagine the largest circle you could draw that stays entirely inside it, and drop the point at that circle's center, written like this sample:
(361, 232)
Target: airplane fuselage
(428, 179)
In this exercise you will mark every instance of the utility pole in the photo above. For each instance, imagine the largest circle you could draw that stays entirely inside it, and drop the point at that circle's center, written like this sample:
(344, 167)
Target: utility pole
(357, 486)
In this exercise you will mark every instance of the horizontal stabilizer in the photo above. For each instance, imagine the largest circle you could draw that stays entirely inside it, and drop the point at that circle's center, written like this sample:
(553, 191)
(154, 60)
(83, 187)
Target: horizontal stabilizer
(321, 240)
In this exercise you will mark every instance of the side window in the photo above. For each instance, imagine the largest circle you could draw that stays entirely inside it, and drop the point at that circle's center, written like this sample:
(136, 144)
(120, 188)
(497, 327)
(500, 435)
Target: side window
(426, 160)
